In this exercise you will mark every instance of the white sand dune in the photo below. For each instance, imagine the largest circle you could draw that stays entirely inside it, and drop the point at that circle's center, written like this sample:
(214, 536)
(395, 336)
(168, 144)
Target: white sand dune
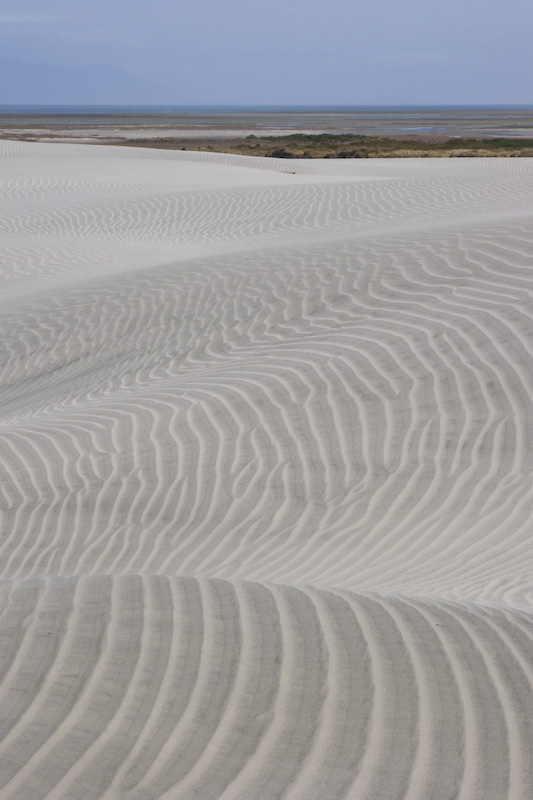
(266, 451)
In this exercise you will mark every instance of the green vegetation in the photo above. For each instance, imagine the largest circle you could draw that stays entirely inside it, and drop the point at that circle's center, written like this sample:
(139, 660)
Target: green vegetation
(325, 145)
(328, 145)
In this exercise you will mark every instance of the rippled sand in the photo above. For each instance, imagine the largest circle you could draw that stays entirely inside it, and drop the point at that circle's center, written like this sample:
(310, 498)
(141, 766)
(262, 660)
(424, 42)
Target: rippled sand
(266, 451)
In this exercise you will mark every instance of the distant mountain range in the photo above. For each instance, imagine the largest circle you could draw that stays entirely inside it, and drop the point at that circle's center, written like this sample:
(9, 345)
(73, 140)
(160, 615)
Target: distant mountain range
(99, 84)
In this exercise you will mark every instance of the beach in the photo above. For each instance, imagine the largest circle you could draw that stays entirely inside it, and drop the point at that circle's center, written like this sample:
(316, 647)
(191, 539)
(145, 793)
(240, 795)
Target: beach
(266, 476)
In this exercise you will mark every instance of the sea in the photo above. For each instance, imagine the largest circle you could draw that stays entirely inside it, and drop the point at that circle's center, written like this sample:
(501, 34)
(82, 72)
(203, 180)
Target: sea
(438, 121)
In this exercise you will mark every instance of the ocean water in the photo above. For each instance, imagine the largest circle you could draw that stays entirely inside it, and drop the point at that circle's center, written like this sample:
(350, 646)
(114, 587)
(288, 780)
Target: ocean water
(371, 120)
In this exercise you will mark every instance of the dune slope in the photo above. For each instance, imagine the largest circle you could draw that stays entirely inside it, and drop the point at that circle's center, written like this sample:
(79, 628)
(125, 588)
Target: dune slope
(266, 490)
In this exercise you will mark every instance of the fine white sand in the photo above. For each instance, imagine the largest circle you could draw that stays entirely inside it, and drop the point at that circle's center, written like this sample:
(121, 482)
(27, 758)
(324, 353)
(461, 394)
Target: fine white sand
(266, 445)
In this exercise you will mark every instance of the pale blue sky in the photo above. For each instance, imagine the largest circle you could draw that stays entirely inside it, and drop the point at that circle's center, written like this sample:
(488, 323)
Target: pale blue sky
(284, 51)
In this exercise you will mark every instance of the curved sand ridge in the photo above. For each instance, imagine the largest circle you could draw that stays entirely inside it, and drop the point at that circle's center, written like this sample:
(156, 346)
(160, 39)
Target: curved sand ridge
(266, 450)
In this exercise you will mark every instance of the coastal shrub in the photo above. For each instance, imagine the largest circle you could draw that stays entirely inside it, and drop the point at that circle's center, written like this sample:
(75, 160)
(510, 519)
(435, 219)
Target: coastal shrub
(280, 152)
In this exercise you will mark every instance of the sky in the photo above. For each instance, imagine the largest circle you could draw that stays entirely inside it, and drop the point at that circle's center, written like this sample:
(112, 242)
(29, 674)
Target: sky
(246, 52)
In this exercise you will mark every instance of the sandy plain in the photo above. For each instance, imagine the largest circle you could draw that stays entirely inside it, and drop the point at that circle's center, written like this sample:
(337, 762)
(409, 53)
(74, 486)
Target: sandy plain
(267, 477)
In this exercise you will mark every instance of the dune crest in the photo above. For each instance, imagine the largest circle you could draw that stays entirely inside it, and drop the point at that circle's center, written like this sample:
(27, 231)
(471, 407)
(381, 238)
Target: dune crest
(266, 490)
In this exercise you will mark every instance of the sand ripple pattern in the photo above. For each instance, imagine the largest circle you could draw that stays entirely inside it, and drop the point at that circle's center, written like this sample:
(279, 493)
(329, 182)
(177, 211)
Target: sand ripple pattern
(266, 477)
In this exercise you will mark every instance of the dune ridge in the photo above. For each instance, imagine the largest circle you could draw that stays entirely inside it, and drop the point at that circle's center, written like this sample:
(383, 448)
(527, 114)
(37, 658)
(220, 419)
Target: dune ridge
(266, 476)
